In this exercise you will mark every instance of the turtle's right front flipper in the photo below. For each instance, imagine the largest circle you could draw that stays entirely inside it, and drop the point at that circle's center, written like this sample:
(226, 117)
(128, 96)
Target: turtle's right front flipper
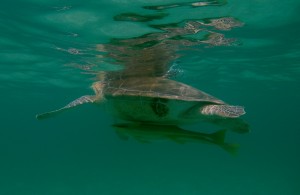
(82, 100)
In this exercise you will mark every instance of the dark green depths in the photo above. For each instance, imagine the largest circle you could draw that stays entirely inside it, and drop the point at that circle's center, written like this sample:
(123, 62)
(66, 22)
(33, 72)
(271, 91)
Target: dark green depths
(160, 107)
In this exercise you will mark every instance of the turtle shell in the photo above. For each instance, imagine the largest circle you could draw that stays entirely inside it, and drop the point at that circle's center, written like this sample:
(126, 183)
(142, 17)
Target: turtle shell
(156, 87)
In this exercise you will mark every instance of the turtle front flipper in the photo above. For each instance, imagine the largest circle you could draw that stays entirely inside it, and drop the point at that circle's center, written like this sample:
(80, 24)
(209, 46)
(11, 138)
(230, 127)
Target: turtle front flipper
(82, 100)
(223, 110)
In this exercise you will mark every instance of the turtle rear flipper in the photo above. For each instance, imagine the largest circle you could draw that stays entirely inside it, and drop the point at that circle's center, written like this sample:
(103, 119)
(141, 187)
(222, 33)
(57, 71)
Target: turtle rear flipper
(82, 100)
(223, 110)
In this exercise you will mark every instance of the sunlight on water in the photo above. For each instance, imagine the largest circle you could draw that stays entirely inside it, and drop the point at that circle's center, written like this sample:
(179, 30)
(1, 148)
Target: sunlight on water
(243, 52)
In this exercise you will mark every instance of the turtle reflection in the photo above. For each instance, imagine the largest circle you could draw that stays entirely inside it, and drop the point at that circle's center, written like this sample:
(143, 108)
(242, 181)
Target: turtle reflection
(195, 4)
(148, 133)
(144, 92)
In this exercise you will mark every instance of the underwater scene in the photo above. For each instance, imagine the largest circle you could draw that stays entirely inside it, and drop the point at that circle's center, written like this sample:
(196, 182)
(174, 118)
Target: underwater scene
(150, 97)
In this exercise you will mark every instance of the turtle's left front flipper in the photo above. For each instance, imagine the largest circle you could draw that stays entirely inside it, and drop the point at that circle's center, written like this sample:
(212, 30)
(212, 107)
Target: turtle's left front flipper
(82, 100)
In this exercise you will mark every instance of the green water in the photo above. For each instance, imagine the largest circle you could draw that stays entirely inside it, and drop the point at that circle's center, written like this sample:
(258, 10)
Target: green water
(48, 57)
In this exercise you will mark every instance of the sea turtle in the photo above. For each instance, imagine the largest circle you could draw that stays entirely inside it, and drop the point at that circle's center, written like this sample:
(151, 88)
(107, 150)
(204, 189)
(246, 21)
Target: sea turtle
(143, 92)
(155, 100)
